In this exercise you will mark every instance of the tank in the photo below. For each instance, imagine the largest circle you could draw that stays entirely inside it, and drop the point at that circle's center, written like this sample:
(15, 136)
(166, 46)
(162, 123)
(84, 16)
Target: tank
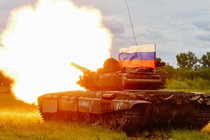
(125, 99)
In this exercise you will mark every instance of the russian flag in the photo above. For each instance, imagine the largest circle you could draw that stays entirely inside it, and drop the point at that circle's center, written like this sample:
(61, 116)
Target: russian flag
(138, 56)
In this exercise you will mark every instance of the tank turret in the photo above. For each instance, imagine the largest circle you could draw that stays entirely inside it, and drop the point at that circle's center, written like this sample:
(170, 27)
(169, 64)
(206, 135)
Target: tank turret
(114, 77)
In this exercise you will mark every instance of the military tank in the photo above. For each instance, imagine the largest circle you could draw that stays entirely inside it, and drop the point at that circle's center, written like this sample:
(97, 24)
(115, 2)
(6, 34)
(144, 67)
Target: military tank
(126, 99)
(113, 77)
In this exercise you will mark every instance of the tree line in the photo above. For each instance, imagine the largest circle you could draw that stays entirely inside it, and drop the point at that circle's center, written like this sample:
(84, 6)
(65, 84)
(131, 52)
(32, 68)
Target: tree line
(192, 72)
(190, 60)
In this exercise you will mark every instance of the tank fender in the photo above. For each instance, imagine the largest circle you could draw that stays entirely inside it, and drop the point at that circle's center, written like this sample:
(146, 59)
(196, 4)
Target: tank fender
(194, 98)
(167, 98)
(201, 98)
(68, 103)
(206, 99)
(127, 104)
(49, 103)
(132, 103)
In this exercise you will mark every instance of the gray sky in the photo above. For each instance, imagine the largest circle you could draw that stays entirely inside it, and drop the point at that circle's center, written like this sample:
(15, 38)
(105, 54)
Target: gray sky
(174, 26)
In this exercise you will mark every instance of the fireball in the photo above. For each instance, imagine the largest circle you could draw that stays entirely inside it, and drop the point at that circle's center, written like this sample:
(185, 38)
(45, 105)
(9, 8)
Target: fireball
(41, 40)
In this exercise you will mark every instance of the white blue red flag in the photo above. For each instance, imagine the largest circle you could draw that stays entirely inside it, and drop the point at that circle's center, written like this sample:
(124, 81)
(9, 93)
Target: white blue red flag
(138, 56)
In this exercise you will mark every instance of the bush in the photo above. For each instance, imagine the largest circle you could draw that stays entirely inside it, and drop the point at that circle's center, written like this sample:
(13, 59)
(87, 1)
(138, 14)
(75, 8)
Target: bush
(201, 84)
(177, 84)
(195, 84)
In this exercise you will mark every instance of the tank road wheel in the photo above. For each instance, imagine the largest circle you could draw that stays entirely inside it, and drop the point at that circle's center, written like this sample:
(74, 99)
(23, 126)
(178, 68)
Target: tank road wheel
(85, 118)
(64, 117)
(53, 116)
(110, 121)
(96, 120)
(68, 117)
(49, 116)
(74, 117)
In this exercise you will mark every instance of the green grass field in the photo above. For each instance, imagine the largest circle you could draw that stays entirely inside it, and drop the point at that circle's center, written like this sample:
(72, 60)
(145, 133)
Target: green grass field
(21, 121)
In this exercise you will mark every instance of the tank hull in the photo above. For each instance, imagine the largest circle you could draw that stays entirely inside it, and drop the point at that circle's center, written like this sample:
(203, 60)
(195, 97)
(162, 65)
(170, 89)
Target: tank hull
(128, 109)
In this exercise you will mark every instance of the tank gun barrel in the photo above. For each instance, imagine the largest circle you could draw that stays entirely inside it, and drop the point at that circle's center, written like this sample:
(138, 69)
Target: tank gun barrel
(81, 68)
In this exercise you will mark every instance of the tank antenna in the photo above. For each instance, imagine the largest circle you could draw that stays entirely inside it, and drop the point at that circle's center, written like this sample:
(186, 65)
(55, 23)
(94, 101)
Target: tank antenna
(131, 22)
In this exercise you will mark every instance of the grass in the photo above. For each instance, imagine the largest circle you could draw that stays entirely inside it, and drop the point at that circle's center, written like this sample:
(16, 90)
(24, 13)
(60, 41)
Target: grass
(189, 85)
(21, 121)
(189, 135)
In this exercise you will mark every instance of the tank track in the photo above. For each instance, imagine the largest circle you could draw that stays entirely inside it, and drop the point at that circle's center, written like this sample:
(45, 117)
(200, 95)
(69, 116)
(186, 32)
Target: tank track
(195, 116)
(201, 119)
(167, 109)
(125, 120)
(133, 120)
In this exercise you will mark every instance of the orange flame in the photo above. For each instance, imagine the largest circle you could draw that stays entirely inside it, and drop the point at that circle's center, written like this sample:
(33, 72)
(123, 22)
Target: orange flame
(42, 39)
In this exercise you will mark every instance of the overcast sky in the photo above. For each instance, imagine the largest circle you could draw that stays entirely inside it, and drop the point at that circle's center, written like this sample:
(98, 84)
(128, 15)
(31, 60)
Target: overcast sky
(174, 26)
